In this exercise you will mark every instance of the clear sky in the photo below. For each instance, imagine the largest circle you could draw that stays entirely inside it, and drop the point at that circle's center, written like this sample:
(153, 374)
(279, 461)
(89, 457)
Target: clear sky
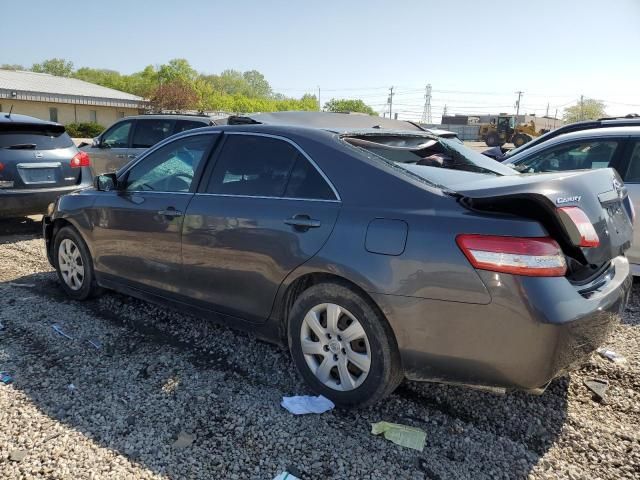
(475, 54)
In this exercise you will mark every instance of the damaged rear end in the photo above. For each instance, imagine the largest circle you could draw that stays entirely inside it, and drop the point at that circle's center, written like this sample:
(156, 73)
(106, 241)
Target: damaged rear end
(549, 248)
(566, 290)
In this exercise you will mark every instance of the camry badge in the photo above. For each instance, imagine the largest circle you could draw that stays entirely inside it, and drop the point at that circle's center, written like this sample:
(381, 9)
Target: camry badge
(574, 199)
(39, 154)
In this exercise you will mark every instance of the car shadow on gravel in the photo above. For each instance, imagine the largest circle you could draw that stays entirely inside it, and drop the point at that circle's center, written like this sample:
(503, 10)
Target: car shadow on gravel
(11, 227)
(156, 373)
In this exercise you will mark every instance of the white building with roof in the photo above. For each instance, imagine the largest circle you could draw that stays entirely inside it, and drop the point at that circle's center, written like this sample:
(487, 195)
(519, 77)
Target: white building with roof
(64, 100)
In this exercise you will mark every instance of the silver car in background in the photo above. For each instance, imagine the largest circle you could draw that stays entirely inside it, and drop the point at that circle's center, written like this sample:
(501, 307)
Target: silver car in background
(129, 137)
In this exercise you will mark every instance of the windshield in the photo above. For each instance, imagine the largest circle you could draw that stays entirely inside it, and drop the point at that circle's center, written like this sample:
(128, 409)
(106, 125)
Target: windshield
(427, 151)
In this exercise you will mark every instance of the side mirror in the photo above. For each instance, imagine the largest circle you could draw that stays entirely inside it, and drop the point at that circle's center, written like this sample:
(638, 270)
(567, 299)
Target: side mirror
(105, 182)
(98, 143)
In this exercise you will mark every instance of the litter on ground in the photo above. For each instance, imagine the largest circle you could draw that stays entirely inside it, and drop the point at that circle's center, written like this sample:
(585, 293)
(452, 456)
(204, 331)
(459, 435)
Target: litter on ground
(611, 355)
(402, 435)
(58, 330)
(598, 386)
(184, 440)
(5, 378)
(285, 476)
(301, 404)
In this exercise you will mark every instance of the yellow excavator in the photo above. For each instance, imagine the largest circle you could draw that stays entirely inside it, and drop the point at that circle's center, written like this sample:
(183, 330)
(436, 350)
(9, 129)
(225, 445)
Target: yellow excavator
(503, 130)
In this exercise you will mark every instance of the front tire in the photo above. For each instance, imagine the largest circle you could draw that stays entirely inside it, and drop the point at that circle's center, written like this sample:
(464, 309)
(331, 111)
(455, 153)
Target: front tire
(492, 140)
(342, 346)
(73, 264)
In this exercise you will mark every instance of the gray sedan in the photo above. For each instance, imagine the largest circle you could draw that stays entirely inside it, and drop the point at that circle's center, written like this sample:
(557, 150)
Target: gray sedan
(373, 254)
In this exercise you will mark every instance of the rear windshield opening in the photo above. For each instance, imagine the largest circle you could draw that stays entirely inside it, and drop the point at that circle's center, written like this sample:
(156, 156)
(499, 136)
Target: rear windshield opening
(427, 151)
(25, 137)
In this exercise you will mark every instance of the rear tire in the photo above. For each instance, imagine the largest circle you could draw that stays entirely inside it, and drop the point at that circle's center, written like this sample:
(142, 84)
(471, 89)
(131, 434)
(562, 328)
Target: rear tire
(342, 346)
(73, 264)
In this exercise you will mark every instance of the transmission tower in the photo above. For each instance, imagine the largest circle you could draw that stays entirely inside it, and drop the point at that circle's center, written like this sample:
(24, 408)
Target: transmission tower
(426, 113)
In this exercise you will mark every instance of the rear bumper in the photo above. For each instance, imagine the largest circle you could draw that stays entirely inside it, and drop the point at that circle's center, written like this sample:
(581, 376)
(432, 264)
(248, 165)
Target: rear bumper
(16, 203)
(533, 330)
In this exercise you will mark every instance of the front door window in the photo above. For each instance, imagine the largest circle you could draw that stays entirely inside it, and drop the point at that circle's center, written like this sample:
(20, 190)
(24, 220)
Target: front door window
(171, 168)
(117, 136)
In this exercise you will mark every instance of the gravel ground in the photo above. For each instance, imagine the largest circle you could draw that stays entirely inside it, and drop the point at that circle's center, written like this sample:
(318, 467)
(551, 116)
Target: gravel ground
(160, 374)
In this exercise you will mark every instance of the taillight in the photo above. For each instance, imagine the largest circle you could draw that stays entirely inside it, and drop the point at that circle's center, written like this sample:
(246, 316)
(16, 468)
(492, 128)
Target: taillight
(81, 160)
(529, 256)
(586, 232)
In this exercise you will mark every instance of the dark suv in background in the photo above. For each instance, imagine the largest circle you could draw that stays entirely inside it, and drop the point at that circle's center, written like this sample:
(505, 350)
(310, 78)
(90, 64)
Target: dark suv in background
(38, 163)
(127, 138)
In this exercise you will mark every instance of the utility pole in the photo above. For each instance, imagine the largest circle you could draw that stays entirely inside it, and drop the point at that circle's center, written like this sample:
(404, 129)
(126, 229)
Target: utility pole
(518, 105)
(444, 112)
(390, 102)
(547, 114)
(555, 116)
(426, 113)
(319, 103)
(581, 107)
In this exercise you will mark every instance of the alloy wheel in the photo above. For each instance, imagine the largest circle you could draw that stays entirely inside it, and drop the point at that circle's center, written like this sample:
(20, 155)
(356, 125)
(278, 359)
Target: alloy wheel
(335, 347)
(70, 264)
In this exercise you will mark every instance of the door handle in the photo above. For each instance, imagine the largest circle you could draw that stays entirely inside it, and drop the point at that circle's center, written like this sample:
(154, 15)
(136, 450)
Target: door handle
(132, 156)
(170, 212)
(120, 155)
(302, 222)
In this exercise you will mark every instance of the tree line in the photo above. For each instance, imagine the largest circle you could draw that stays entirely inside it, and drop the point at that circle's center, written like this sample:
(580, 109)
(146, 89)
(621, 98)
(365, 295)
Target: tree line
(177, 86)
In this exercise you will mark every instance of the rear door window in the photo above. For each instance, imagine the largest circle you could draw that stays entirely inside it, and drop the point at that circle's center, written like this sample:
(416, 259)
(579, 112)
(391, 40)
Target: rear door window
(584, 155)
(251, 165)
(14, 137)
(151, 131)
(307, 182)
(183, 125)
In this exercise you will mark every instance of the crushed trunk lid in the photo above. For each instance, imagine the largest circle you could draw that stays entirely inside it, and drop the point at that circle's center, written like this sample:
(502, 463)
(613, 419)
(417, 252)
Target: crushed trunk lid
(600, 194)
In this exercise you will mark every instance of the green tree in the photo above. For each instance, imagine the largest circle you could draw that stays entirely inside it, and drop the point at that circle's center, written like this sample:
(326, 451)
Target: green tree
(54, 66)
(348, 105)
(257, 85)
(588, 109)
(179, 70)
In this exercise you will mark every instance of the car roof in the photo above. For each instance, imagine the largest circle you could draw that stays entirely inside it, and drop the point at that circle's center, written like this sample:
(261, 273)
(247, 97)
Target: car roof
(290, 131)
(336, 122)
(164, 116)
(578, 135)
(16, 118)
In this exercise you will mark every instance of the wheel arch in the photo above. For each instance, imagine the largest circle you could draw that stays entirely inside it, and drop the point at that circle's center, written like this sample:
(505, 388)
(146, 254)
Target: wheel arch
(307, 280)
(53, 227)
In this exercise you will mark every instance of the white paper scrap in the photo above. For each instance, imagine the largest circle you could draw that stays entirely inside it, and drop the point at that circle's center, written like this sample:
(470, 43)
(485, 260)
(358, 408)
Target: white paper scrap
(299, 405)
